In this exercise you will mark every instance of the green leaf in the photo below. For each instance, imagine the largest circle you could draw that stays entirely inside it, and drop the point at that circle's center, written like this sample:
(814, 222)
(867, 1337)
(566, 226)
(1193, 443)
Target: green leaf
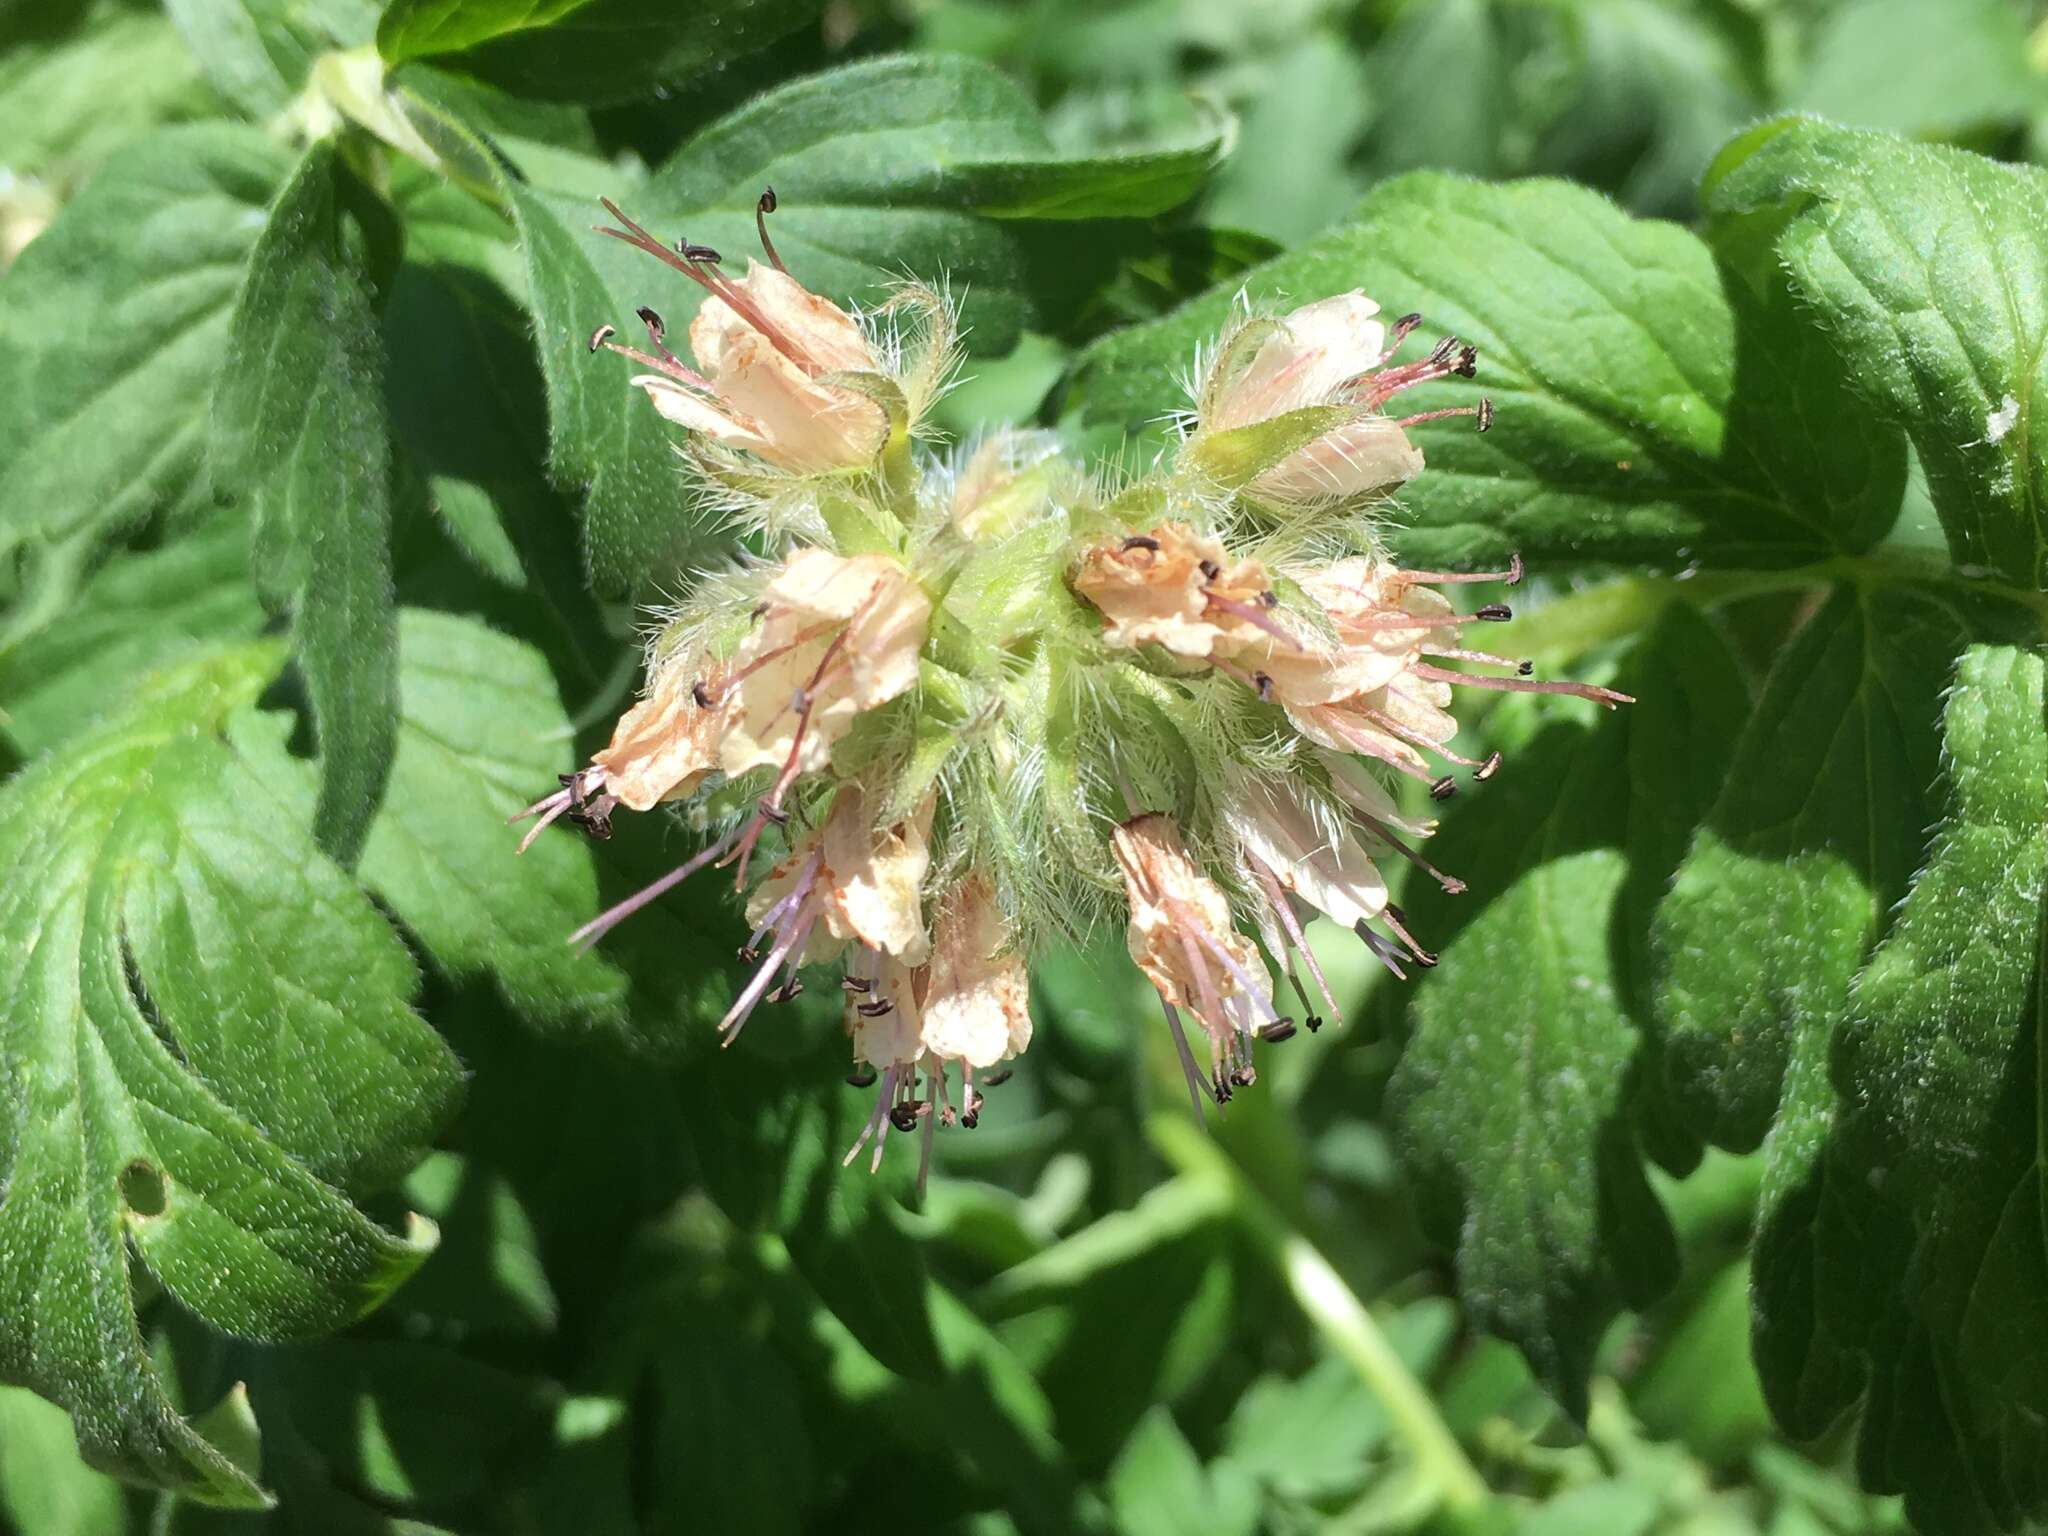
(1316, 1436)
(892, 165)
(584, 50)
(140, 610)
(1159, 1486)
(1870, 63)
(1513, 1093)
(258, 53)
(208, 1030)
(1925, 266)
(44, 1487)
(112, 325)
(482, 733)
(1617, 364)
(1820, 826)
(299, 430)
(1941, 1060)
(62, 120)
(771, 1129)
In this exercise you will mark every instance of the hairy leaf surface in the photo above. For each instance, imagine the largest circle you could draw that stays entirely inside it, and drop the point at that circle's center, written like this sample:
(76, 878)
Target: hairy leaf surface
(206, 1030)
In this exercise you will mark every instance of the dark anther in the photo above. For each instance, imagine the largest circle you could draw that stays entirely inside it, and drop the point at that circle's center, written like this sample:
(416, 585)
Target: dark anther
(1514, 575)
(862, 1076)
(749, 954)
(1443, 788)
(757, 610)
(1487, 769)
(1270, 598)
(1274, 1033)
(594, 816)
(1313, 1023)
(1264, 683)
(1219, 1091)
(702, 253)
(1423, 957)
(996, 1079)
(1494, 613)
(653, 321)
(701, 694)
(904, 1115)
(875, 1009)
(1242, 1077)
(1441, 352)
(970, 1118)
(763, 206)
(1485, 414)
(572, 782)
(1468, 363)
(1141, 541)
(770, 813)
(858, 984)
(789, 991)
(601, 335)
(1527, 669)
(1210, 570)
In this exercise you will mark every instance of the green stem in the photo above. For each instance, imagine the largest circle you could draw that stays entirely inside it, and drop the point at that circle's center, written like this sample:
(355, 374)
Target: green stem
(1338, 1315)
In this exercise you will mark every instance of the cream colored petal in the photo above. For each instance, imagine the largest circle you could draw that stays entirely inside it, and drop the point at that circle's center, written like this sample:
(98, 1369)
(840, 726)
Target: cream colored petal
(1159, 596)
(894, 1038)
(1369, 455)
(803, 425)
(687, 408)
(875, 878)
(1323, 865)
(1315, 350)
(1173, 904)
(1357, 788)
(665, 745)
(977, 1002)
(826, 335)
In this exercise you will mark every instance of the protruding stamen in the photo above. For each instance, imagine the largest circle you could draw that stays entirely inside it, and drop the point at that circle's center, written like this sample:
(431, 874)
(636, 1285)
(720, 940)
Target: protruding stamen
(1382, 950)
(1489, 768)
(763, 206)
(1483, 658)
(1187, 1057)
(1284, 910)
(862, 1076)
(1606, 698)
(1507, 578)
(1252, 616)
(1397, 920)
(609, 919)
(1483, 411)
(1452, 886)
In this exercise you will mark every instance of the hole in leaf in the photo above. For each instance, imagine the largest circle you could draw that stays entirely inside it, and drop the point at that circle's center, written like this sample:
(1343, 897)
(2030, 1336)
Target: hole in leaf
(144, 1190)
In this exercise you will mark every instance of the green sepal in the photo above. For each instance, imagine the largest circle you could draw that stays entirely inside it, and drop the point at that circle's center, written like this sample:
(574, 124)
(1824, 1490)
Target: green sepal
(1233, 459)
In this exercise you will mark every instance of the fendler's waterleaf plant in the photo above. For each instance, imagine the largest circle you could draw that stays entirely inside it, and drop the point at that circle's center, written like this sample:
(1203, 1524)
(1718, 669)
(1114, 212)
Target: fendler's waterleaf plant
(966, 704)
(207, 1043)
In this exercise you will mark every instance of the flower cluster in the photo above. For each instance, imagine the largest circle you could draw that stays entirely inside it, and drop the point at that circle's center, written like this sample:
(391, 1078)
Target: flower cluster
(957, 704)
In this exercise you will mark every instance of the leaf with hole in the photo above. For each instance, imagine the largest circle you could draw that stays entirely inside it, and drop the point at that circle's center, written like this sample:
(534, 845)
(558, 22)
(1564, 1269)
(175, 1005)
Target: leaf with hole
(209, 1028)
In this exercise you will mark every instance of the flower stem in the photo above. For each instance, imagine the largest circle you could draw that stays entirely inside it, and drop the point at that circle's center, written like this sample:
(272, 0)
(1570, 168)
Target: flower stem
(1337, 1313)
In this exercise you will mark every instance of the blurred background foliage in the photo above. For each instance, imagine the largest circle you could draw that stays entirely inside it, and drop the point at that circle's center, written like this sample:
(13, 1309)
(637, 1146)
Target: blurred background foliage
(1092, 1322)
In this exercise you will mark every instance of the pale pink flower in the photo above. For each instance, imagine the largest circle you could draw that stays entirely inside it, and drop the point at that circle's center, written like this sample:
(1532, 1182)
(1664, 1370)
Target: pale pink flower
(766, 350)
(1174, 588)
